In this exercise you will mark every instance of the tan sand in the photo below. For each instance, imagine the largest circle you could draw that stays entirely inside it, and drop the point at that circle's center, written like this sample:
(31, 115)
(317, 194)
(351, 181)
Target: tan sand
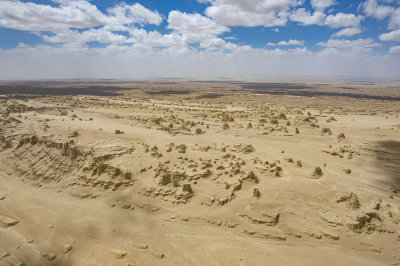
(186, 173)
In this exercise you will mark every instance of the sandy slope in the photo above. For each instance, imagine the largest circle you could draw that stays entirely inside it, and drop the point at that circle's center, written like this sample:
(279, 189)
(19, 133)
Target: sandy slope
(73, 192)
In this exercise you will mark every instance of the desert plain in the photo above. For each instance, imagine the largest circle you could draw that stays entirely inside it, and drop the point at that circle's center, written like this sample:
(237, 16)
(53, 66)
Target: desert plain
(184, 172)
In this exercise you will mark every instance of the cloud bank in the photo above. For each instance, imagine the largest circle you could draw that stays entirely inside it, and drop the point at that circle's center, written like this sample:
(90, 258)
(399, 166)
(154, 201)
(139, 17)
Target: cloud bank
(192, 45)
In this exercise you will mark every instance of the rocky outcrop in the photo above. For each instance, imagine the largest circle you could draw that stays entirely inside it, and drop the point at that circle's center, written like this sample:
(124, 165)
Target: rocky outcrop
(44, 160)
(368, 222)
(350, 199)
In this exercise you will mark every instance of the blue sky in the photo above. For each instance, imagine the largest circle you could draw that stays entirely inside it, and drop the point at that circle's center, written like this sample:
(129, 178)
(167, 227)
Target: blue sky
(253, 32)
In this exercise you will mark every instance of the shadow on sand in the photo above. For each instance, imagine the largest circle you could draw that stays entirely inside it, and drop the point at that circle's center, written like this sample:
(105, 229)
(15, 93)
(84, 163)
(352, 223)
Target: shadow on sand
(61, 91)
(300, 89)
(388, 160)
(210, 96)
(169, 92)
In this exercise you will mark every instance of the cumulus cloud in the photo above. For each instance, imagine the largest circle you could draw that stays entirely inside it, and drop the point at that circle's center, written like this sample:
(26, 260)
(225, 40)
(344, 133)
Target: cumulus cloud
(64, 2)
(347, 32)
(124, 14)
(212, 43)
(186, 29)
(359, 44)
(34, 17)
(305, 17)
(395, 19)
(131, 51)
(76, 22)
(267, 13)
(270, 13)
(337, 20)
(154, 38)
(193, 23)
(342, 20)
(390, 36)
(67, 20)
(283, 43)
(373, 9)
(195, 28)
(290, 52)
(322, 4)
(72, 14)
(99, 35)
(394, 50)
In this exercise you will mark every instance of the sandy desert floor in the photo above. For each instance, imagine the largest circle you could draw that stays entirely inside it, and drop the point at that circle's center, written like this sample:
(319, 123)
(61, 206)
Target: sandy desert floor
(199, 173)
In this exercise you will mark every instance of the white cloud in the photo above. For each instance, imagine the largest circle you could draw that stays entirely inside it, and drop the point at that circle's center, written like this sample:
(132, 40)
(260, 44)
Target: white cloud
(300, 51)
(283, 43)
(186, 29)
(35, 17)
(373, 9)
(195, 28)
(347, 32)
(65, 2)
(71, 14)
(359, 44)
(231, 38)
(155, 39)
(322, 4)
(99, 35)
(394, 50)
(124, 14)
(319, 18)
(394, 22)
(138, 53)
(305, 17)
(390, 36)
(253, 13)
(342, 20)
(212, 43)
(22, 45)
(238, 49)
(290, 52)
(193, 23)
